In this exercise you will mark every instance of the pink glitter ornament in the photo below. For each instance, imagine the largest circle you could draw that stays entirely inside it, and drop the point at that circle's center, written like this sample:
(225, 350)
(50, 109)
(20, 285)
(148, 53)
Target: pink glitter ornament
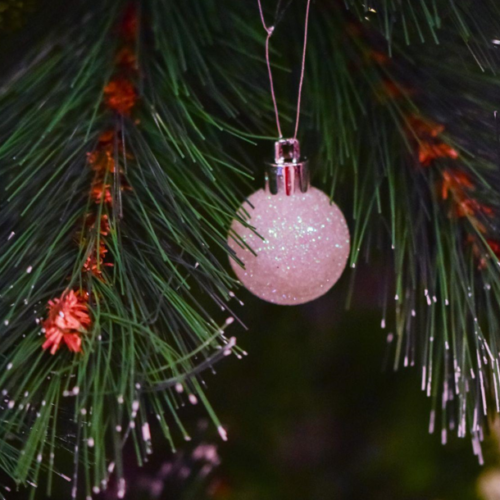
(300, 244)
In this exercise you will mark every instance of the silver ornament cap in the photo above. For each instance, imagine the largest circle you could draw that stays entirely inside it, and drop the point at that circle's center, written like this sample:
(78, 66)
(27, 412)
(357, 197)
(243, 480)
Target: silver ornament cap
(289, 173)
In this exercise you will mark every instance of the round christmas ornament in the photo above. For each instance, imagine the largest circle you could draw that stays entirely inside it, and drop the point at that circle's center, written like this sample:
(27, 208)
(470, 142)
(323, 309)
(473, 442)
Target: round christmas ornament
(295, 243)
(298, 242)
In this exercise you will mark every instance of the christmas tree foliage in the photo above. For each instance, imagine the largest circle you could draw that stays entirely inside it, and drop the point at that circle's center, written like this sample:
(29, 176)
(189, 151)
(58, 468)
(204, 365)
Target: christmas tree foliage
(127, 143)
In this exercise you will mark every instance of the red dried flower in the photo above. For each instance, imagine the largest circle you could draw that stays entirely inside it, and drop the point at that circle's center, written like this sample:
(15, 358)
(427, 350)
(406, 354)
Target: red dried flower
(389, 90)
(479, 251)
(68, 319)
(102, 160)
(101, 193)
(129, 24)
(424, 128)
(95, 262)
(429, 146)
(455, 181)
(120, 95)
(126, 59)
(471, 207)
(428, 152)
(107, 136)
(103, 224)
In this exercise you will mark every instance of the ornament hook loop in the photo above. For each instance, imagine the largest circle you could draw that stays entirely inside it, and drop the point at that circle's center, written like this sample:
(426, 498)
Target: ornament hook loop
(286, 150)
(289, 173)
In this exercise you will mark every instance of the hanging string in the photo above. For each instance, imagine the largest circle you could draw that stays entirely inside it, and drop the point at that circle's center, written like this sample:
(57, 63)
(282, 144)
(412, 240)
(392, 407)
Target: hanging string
(269, 30)
(302, 70)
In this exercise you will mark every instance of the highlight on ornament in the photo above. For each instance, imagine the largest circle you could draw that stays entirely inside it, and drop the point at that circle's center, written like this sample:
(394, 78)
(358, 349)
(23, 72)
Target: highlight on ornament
(294, 244)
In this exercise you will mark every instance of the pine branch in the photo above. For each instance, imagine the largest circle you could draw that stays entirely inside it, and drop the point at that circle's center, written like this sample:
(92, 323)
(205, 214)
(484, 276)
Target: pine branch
(416, 139)
(123, 171)
(141, 223)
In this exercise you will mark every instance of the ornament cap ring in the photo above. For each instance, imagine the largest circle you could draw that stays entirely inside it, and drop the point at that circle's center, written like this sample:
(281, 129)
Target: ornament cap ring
(289, 173)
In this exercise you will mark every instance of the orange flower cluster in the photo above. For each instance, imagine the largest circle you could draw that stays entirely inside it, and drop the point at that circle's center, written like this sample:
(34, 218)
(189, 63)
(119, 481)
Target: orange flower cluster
(120, 95)
(95, 261)
(430, 146)
(428, 152)
(103, 225)
(389, 90)
(102, 162)
(455, 182)
(102, 159)
(128, 28)
(68, 318)
(455, 185)
(126, 59)
(101, 193)
(495, 248)
(458, 185)
(478, 250)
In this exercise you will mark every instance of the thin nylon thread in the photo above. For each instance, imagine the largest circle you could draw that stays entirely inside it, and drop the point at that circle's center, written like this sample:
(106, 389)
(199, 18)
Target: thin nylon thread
(269, 30)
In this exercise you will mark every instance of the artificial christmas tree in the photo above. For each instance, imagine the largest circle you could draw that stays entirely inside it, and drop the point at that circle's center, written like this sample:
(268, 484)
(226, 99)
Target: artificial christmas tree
(127, 145)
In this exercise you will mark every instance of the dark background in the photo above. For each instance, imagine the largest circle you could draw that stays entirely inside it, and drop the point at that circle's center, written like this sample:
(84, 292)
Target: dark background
(312, 414)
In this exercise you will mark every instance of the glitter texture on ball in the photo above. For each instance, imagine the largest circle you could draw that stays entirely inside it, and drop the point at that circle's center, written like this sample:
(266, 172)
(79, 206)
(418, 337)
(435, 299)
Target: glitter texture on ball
(304, 250)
